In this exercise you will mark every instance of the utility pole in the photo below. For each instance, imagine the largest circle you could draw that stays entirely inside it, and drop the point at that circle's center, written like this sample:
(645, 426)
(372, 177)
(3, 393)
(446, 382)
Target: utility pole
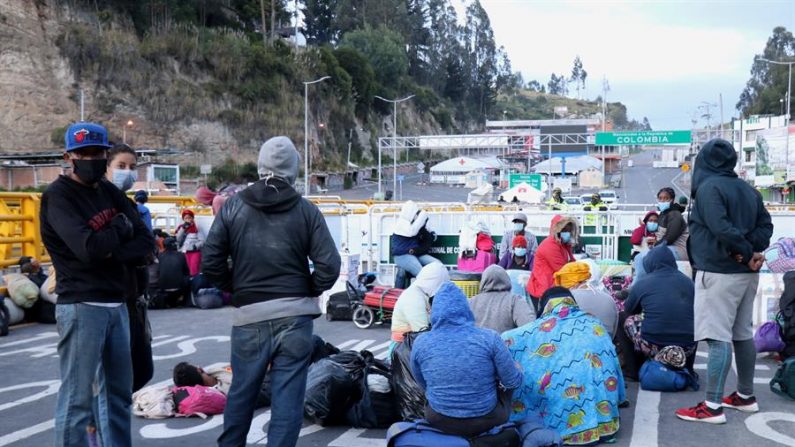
(707, 115)
(295, 33)
(720, 99)
(262, 13)
(605, 89)
(394, 142)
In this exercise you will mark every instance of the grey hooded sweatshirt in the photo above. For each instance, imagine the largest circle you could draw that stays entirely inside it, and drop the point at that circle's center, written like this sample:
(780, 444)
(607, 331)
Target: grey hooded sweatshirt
(495, 307)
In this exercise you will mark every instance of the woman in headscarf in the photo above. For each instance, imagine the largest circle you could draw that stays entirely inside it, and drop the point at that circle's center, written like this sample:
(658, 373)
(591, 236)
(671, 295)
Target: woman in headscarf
(576, 276)
(553, 253)
(571, 372)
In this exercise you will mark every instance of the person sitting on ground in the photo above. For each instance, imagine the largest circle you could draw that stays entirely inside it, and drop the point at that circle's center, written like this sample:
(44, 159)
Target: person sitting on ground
(645, 235)
(495, 307)
(190, 241)
(672, 229)
(519, 228)
(467, 394)
(411, 241)
(576, 277)
(571, 372)
(31, 268)
(412, 309)
(141, 197)
(553, 253)
(518, 258)
(174, 276)
(665, 297)
(160, 237)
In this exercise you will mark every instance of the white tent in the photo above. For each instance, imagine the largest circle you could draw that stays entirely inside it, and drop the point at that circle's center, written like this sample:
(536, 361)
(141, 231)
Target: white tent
(523, 192)
(574, 165)
(454, 170)
(480, 195)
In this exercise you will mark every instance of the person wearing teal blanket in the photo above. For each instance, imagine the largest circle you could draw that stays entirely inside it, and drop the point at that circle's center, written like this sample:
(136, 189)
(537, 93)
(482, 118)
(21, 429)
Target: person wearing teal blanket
(572, 377)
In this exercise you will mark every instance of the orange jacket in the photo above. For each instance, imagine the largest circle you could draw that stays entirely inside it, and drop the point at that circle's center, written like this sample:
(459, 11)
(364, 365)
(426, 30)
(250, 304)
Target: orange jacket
(551, 256)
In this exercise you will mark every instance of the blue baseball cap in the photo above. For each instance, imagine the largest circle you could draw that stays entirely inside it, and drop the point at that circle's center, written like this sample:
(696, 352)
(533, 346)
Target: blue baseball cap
(80, 135)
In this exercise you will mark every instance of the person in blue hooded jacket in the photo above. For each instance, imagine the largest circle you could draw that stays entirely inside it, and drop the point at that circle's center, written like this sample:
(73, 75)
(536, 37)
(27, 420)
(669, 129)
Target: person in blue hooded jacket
(729, 228)
(464, 397)
(665, 296)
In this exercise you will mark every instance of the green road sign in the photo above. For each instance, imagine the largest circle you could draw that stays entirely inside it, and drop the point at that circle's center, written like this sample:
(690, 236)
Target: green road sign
(533, 180)
(643, 138)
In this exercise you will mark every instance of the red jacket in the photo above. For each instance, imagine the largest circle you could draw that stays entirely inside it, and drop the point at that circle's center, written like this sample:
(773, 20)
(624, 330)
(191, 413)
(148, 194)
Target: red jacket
(551, 256)
(640, 233)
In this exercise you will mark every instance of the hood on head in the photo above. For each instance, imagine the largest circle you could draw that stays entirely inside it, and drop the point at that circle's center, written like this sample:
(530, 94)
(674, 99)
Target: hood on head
(410, 220)
(450, 308)
(278, 158)
(659, 258)
(559, 223)
(495, 279)
(716, 158)
(431, 278)
(273, 195)
(649, 214)
(409, 211)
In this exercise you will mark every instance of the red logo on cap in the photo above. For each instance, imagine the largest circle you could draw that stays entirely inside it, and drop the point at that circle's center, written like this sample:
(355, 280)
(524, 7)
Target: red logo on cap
(80, 135)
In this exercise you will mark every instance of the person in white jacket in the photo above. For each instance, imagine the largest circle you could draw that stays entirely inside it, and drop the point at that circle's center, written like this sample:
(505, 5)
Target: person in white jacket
(411, 241)
(412, 311)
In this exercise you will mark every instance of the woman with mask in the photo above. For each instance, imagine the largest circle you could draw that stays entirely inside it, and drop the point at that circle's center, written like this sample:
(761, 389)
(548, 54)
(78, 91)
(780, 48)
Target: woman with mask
(122, 162)
(190, 241)
(645, 236)
(554, 252)
(672, 229)
(518, 258)
(518, 228)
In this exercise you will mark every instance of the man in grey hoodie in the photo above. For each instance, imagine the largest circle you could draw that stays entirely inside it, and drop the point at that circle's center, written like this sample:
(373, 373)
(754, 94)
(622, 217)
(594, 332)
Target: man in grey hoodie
(269, 231)
(495, 307)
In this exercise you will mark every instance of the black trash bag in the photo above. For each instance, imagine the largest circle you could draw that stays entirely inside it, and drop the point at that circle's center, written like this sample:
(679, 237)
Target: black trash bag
(332, 388)
(264, 395)
(375, 409)
(322, 349)
(409, 394)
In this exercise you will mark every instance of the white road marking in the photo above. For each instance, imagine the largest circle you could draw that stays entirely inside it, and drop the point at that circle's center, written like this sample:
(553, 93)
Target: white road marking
(758, 424)
(38, 337)
(345, 344)
(362, 345)
(647, 418)
(170, 340)
(163, 431)
(704, 366)
(36, 351)
(256, 432)
(188, 347)
(351, 439)
(51, 388)
(26, 432)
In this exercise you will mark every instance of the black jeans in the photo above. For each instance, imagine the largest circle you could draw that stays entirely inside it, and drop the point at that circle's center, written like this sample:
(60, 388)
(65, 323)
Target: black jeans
(469, 427)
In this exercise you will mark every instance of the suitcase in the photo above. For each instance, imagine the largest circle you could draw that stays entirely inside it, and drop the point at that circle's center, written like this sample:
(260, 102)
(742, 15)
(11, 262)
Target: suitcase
(480, 262)
(339, 307)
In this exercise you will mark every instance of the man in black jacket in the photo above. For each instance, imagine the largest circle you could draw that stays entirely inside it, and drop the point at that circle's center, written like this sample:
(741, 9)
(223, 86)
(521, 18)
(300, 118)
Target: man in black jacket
(269, 231)
(173, 286)
(91, 230)
(729, 228)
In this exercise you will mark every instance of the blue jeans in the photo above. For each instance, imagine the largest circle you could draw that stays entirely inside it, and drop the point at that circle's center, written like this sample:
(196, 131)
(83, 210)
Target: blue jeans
(413, 264)
(284, 344)
(94, 344)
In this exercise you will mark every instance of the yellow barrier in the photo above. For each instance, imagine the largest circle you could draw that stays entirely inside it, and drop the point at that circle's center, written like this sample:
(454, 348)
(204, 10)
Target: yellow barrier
(19, 228)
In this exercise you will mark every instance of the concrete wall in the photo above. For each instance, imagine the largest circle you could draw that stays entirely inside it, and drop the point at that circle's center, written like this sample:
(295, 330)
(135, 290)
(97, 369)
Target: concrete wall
(31, 176)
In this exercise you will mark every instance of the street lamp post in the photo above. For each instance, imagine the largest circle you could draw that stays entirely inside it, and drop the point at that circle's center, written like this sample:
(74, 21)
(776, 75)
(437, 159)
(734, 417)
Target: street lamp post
(394, 142)
(789, 110)
(129, 123)
(306, 131)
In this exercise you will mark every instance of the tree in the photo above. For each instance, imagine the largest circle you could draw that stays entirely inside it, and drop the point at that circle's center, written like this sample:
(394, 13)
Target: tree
(384, 49)
(578, 76)
(768, 83)
(557, 85)
(646, 125)
(319, 23)
(362, 77)
(534, 86)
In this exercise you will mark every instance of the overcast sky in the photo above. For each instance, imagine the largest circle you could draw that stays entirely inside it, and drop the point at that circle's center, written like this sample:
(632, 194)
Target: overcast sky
(661, 59)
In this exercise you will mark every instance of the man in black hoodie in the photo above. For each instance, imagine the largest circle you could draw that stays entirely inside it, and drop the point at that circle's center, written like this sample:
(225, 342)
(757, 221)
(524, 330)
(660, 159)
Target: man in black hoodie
(269, 231)
(729, 228)
(91, 231)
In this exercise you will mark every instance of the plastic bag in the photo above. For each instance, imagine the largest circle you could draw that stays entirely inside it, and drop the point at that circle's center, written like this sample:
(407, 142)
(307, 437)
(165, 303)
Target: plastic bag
(374, 409)
(408, 393)
(330, 391)
(21, 290)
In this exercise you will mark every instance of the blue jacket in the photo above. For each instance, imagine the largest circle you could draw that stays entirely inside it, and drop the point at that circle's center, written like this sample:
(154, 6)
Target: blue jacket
(728, 216)
(665, 296)
(458, 364)
(146, 215)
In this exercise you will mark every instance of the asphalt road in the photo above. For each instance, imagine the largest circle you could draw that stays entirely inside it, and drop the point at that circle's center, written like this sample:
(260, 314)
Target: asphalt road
(29, 369)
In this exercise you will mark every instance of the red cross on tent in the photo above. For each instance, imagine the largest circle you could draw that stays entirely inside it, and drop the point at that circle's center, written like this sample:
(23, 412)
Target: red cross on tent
(462, 162)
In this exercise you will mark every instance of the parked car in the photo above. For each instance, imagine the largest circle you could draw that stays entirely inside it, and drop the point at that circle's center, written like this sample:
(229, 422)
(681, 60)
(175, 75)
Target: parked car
(572, 201)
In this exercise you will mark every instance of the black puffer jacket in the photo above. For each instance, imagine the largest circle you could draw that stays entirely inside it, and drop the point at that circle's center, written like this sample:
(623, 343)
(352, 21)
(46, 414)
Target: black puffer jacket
(728, 216)
(269, 230)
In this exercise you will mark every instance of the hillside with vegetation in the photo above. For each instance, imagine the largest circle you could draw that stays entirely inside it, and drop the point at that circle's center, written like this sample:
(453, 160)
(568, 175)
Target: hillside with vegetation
(214, 78)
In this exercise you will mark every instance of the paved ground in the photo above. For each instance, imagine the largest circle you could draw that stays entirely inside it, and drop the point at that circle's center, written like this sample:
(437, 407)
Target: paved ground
(30, 378)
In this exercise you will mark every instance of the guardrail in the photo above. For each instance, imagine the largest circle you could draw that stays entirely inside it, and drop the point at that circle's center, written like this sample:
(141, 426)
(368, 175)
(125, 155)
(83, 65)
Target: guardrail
(19, 228)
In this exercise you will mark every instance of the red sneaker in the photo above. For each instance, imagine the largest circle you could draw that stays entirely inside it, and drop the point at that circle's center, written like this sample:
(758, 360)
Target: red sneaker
(702, 413)
(738, 403)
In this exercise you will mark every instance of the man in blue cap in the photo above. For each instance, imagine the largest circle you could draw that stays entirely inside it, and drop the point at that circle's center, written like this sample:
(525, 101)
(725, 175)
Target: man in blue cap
(91, 230)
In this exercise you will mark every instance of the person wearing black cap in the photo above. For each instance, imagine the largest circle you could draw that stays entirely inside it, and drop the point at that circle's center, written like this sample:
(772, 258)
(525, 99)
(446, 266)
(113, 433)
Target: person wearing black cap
(518, 228)
(91, 231)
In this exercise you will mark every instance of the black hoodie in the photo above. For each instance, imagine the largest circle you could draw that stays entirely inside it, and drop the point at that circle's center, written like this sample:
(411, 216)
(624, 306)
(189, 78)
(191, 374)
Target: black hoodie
(269, 230)
(728, 216)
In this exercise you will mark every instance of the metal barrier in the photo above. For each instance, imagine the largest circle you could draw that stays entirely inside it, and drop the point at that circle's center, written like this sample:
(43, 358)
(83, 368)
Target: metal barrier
(19, 228)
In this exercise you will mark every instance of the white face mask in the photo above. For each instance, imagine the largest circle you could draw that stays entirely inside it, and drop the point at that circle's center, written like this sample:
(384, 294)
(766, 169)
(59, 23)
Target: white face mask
(124, 178)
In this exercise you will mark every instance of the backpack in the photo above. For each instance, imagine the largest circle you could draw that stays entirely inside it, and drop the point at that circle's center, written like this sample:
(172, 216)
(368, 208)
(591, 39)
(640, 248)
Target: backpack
(5, 318)
(768, 338)
(22, 291)
(654, 376)
(420, 434)
(198, 400)
(208, 299)
(780, 256)
(783, 383)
